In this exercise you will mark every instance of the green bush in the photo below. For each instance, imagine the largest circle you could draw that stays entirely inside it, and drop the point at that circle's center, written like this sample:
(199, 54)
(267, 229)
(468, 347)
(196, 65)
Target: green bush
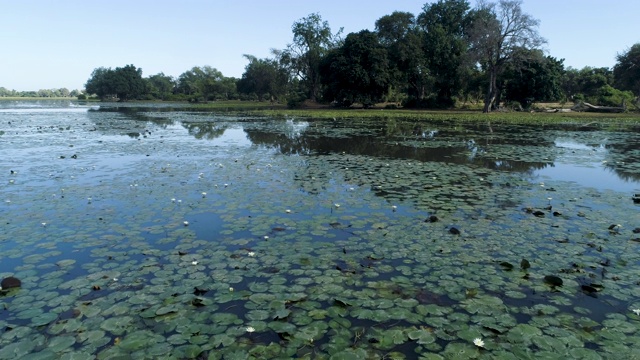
(609, 96)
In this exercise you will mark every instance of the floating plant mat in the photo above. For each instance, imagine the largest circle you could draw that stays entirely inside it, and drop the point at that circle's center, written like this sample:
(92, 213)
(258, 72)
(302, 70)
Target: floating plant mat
(173, 243)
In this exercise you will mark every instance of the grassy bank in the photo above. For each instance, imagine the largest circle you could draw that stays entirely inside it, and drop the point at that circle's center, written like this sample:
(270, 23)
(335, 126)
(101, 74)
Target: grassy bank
(255, 108)
(459, 116)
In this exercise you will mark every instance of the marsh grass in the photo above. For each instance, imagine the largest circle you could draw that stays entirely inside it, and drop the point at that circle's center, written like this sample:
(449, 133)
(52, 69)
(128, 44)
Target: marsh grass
(268, 109)
(460, 116)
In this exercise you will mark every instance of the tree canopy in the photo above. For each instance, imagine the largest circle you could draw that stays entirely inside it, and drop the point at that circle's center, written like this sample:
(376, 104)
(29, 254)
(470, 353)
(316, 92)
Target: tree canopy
(445, 24)
(312, 40)
(263, 79)
(358, 71)
(448, 55)
(123, 83)
(501, 34)
(626, 72)
(536, 78)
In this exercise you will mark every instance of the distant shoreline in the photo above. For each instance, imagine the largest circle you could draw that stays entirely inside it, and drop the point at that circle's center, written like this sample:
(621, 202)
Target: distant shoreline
(39, 98)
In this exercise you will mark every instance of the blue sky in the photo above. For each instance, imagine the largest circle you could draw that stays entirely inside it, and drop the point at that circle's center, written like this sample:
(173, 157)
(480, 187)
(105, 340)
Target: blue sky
(57, 43)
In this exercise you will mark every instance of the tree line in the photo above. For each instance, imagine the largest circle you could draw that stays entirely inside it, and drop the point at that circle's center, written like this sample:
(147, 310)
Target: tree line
(448, 55)
(43, 93)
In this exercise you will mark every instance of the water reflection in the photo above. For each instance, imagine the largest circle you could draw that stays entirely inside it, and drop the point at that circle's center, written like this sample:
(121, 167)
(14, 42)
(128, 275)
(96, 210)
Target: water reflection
(591, 158)
(459, 151)
(590, 163)
(207, 131)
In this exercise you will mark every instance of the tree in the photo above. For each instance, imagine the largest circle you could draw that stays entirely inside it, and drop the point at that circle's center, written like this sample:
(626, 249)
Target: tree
(123, 83)
(204, 83)
(590, 80)
(161, 86)
(402, 39)
(626, 72)
(500, 34)
(98, 83)
(538, 79)
(358, 71)
(263, 78)
(445, 25)
(127, 83)
(312, 39)
(609, 96)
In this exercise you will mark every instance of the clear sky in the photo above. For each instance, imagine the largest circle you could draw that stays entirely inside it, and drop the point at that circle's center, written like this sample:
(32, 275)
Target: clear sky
(48, 44)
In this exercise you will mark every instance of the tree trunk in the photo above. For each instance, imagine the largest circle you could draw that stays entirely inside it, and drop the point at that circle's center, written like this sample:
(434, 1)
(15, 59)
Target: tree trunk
(490, 97)
(584, 106)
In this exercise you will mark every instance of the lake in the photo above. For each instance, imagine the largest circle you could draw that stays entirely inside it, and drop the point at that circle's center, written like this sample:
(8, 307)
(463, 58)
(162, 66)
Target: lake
(163, 231)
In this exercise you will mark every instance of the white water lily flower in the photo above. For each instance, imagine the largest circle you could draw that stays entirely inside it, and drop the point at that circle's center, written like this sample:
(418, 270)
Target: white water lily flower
(186, 223)
(115, 279)
(478, 342)
(44, 224)
(288, 211)
(336, 205)
(636, 311)
(230, 289)
(194, 262)
(251, 253)
(266, 237)
(173, 199)
(204, 194)
(250, 329)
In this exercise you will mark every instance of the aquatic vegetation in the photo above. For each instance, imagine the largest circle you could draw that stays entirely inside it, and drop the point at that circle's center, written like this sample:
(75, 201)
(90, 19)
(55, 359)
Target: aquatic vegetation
(356, 239)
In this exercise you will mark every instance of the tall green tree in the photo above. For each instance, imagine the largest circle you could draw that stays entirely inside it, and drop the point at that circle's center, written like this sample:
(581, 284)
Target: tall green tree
(626, 72)
(312, 40)
(403, 40)
(538, 78)
(99, 83)
(125, 83)
(501, 33)
(264, 78)
(205, 83)
(161, 86)
(590, 80)
(445, 24)
(358, 71)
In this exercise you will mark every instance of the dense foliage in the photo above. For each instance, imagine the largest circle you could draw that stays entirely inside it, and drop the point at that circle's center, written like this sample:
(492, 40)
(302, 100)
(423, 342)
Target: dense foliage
(449, 55)
(358, 71)
(626, 72)
(124, 83)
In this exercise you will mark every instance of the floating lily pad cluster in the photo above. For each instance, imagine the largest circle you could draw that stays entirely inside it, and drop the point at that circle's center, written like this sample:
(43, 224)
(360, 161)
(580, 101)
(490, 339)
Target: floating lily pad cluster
(172, 243)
